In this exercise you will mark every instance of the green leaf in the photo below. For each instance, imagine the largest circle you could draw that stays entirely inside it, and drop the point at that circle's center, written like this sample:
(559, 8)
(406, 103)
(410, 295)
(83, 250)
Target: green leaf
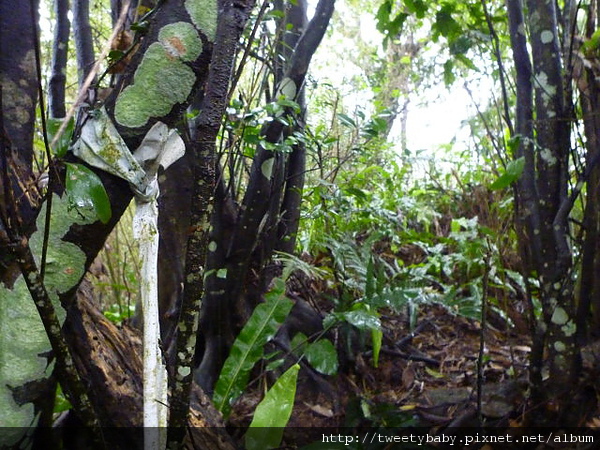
(449, 76)
(513, 171)
(273, 413)
(383, 15)
(445, 23)
(346, 120)
(247, 349)
(513, 144)
(418, 7)
(62, 145)
(61, 403)
(322, 355)
(140, 27)
(290, 104)
(299, 343)
(395, 26)
(376, 339)
(460, 45)
(115, 55)
(362, 319)
(86, 193)
(467, 62)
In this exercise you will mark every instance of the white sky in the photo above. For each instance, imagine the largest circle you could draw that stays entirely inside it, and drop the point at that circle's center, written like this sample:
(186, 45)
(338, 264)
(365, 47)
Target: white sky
(435, 114)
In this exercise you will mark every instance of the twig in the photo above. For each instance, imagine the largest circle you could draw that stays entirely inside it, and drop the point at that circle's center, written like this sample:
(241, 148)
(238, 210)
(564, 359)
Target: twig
(480, 356)
(406, 339)
(408, 356)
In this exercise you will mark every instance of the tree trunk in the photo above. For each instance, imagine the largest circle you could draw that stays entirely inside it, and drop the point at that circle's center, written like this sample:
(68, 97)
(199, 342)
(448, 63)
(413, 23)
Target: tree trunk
(82, 31)
(18, 99)
(245, 238)
(60, 50)
(543, 206)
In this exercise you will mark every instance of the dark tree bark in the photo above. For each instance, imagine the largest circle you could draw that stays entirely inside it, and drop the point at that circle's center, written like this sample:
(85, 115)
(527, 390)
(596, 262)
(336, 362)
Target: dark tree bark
(245, 238)
(60, 48)
(543, 203)
(84, 44)
(585, 75)
(232, 20)
(289, 217)
(18, 84)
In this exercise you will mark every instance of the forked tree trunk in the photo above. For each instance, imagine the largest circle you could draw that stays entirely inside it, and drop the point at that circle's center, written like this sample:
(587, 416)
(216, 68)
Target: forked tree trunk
(543, 203)
(244, 237)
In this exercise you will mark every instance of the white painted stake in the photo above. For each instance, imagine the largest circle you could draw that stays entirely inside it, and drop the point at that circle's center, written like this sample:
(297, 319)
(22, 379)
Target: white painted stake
(101, 146)
(145, 231)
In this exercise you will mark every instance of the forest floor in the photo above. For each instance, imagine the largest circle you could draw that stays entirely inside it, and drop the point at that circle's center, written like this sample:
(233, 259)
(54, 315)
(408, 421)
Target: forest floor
(426, 378)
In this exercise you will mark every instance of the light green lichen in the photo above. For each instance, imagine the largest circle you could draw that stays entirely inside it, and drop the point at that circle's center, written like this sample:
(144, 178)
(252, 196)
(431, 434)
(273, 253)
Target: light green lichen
(287, 88)
(267, 168)
(548, 157)
(204, 14)
(162, 79)
(560, 346)
(23, 339)
(181, 40)
(17, 102)
(183, 371)
(560, 316)
(546, 36)
(569, 329)
(65, 261)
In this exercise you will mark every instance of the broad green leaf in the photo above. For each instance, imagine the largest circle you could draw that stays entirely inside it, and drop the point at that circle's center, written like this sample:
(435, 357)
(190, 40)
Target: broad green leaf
(86, 193)
(299, 343)
(460, 45)
(383, 15)
(449, 76)
(247, 349)
(61, 403)
(513, 171)
(434, 373)
(346, 120)
(445, 23)
(362, 319)
(467, 62)
(513, 144)
(376, 338)
(62, 145)
(322, 355)
(395, 26)
(418, 7)
(289, 103)
(356, 192)
(273, 413)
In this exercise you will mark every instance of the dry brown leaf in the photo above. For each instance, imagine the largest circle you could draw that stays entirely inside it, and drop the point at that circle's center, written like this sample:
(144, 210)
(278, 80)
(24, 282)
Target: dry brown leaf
(320, 410)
